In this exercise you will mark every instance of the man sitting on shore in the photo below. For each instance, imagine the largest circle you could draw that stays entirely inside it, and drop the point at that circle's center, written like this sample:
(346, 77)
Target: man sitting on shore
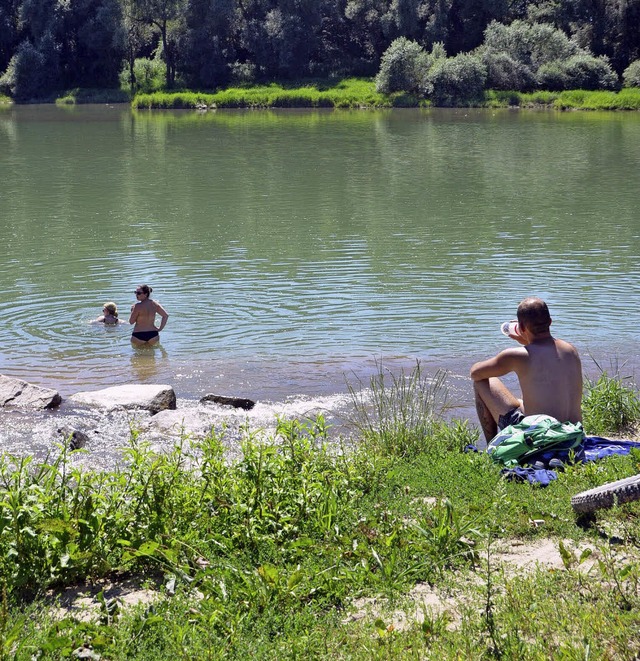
(549, 372)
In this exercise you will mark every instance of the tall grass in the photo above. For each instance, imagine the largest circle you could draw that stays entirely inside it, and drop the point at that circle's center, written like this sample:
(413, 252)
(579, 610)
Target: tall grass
(396, 414)
(626, 99)
(610, 404)
(350, 93)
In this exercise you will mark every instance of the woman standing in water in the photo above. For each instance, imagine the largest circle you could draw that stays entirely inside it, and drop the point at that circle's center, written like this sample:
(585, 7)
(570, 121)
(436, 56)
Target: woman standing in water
(143, 315)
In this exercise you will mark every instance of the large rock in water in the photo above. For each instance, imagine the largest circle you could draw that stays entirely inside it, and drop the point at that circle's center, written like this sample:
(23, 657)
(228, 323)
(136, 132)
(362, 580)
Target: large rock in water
(14, 392)
(150, 397)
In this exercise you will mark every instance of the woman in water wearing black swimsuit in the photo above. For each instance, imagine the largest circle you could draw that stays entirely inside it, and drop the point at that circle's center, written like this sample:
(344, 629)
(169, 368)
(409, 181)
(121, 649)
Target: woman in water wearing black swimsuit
(143, 315)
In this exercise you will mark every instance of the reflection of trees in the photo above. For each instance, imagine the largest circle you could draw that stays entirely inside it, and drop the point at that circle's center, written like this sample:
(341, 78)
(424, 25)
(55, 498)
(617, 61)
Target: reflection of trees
(109, 196)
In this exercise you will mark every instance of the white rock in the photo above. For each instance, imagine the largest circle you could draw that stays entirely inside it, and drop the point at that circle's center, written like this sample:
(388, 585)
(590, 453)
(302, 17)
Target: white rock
(14, 392)
(150, 397)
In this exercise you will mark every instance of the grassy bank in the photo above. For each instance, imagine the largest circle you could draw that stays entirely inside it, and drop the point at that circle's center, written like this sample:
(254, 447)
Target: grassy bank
(361, 93)
(350, 93)
(300, 549)
(626, 99)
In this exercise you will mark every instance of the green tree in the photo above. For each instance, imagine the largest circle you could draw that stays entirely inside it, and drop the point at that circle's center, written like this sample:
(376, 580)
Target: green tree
(530, 44)
(468, 20)
(9, 31)
(207, 48)
(30, 75)
(94, 39)
(167, 18)
(631, 75)
(403, 68)
(455, 81)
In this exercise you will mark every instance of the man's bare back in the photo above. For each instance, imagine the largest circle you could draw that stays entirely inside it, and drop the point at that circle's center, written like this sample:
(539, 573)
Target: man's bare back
(549, 372)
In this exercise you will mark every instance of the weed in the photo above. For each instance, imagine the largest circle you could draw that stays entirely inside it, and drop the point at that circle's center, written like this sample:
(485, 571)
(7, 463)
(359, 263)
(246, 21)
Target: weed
(609, 404)
(396, 415)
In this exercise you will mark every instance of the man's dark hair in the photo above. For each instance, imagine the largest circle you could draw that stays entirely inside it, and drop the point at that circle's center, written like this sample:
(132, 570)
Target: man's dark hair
(533, 314)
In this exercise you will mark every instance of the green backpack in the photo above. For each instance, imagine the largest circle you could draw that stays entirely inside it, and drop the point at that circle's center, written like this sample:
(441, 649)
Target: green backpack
(519, 444)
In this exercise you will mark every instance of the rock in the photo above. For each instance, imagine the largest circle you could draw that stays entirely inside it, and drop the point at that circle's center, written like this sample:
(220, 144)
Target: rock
(237, 402)
(14, 392)
(77, 439)
(150, 397)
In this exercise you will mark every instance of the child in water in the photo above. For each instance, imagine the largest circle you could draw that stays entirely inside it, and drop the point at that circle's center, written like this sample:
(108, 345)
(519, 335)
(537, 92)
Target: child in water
(109, 315)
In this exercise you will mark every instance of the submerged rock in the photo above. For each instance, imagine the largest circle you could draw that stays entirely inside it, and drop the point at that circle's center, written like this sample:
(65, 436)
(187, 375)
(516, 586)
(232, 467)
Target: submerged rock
(237, 402)
(14, 392)
(150, 397)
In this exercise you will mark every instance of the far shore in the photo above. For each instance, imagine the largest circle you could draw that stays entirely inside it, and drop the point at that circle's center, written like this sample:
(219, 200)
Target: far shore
(352, 93)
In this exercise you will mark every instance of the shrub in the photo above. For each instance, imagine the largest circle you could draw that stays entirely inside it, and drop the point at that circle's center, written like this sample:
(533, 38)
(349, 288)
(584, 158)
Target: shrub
(590, 73)
(553, 76)
(631, 75)
(402, 67)
(25, 77)
(456, 81)
(150, 75)
(530, 44)
(505, 73)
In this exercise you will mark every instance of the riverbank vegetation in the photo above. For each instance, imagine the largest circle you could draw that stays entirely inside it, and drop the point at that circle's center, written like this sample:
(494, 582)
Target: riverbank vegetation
(391, 545)
(360, 93)
(443, 53)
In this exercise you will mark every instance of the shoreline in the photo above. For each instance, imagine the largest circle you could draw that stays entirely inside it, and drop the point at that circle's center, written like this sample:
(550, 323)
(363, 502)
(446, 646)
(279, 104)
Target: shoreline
(350, 93)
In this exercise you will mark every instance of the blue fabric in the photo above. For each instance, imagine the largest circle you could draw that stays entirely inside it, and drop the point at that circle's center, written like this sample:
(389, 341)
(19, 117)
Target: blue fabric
(540, 476)
(596, 447)
(592, 448)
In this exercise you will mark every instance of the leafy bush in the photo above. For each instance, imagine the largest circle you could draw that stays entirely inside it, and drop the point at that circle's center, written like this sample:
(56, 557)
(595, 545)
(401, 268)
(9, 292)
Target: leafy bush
(530, 44)
(150, 75)
(631, 75)
(590, 73)
(25, 77)
(456, 81)
(581, 71)
(609, 405)
(402, 68)
(505, 73)
(553, 76)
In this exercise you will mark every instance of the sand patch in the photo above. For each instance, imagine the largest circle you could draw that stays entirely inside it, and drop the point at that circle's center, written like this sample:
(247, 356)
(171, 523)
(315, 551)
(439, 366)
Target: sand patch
(82, 602)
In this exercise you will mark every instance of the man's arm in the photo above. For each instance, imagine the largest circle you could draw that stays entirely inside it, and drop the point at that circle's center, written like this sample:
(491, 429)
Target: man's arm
(506, 361)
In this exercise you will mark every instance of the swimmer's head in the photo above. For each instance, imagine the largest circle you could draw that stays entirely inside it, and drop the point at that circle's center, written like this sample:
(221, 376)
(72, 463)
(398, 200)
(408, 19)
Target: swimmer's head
(110, 308)
(143, 289)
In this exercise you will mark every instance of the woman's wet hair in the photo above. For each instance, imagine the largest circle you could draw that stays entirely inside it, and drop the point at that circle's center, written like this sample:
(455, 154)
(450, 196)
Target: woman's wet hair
(533, 314)
(111, 308)
(145, 289)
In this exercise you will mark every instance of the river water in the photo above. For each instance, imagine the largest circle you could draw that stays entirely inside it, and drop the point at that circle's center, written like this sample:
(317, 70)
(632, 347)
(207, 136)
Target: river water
(296, 251)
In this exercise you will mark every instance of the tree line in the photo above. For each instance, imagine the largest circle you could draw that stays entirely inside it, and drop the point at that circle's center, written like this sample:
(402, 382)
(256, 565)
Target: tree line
(49, 45)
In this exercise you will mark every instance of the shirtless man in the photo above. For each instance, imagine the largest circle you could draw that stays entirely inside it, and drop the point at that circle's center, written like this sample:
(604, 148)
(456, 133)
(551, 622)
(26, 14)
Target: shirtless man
(549, 372)
(143, 315)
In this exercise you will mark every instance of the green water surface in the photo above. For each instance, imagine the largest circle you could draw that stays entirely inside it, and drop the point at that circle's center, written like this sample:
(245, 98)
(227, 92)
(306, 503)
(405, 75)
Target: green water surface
(293, 247)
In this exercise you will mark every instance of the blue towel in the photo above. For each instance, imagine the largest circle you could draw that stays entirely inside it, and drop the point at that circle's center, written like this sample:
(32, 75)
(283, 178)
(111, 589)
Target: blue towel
(596, 447)
(592, 448)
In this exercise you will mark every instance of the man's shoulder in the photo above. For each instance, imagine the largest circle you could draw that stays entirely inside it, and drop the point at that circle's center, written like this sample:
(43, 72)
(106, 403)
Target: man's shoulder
(565, 346)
